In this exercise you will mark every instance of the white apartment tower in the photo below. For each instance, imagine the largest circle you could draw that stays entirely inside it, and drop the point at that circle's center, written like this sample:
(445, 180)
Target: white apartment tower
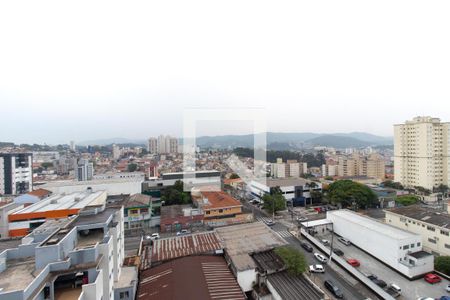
(152, 146)
(164, 144)
(421, 152)
(16, 173)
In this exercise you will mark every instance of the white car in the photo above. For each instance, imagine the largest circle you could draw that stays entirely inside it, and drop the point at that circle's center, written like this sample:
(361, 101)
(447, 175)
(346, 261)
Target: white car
(447, 288)
(325, 242)
(154, 236)
(316, 269)
(320, 257)
(183, 232)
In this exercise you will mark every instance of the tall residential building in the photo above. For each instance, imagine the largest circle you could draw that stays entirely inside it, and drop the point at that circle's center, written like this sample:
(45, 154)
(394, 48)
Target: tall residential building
(16, 173)
(164, 144)
(85, 170)
(372, 166)
(72, 145)
(292, 168)
(421, 152)
(152, 146)
(116, 152)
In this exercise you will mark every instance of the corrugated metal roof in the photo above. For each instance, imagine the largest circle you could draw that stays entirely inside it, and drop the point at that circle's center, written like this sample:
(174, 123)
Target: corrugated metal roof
(194, 277)
(173, 247)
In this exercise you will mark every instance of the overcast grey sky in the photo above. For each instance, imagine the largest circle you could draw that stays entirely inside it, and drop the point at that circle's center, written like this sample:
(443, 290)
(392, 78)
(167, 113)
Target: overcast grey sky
(88, 69)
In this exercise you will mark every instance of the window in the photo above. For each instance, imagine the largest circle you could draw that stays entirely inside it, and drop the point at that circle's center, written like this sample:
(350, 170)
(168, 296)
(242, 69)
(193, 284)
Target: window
(447, 246)
(406, 247)
(431, 228)
(412, 246)
(418, 244)
(443, 232)
(220, 210)
(433, 241)
(207, 212)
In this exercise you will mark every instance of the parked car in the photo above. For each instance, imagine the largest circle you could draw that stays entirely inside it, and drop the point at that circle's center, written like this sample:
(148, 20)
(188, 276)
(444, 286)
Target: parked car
(338, 252)
(372, 277)
(432, 278)
(320, 257)
(306, 246)
(183, 232)
(316, 269)
(353, 262)
(302, 219)
(325, 242)
(344, 241)
(394, 290)
(447, 288)
(377, 281)
(334, 289)
(153, 236)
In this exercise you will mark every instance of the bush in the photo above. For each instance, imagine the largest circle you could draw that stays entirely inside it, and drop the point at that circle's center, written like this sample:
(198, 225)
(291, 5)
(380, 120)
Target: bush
(293, 259)
(407, 200)
(442, 264)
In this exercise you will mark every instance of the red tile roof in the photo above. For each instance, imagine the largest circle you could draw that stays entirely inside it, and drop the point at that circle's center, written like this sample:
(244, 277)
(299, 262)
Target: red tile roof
(40, 193)
(219, 200)
(193, 277)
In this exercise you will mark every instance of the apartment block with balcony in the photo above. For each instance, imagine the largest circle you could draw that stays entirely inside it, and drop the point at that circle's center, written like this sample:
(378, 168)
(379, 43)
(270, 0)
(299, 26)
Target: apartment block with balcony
(79, 257)
(421, 152)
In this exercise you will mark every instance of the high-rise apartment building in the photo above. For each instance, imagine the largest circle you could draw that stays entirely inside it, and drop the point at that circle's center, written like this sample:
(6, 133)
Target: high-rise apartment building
(16, 173)
(421, 152)
(85, 170)
(372, 166)
(164, 144)
(116, 152)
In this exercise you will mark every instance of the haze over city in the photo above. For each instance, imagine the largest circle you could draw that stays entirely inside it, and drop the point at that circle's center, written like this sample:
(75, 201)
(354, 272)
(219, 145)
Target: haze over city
(129, 71)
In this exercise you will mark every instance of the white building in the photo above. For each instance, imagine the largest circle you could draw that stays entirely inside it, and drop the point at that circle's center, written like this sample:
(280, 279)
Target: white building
(16, 173)
(421, 152)
(165, 144)
(399, 249)
(116, 152)
(431, 224)
(120, 175)
(152, 146)
(85, 170)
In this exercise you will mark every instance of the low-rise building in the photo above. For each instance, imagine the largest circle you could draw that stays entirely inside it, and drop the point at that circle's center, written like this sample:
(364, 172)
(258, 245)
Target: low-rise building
(79, 257)
(431, 224)
(297, 190)
(25, 220)
(239, 242)
(397, 248)
(177, 217)
(138, 211)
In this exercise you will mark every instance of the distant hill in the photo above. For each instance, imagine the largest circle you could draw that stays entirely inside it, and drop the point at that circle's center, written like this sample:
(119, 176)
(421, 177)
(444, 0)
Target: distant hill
(105, 142)
(337, 141)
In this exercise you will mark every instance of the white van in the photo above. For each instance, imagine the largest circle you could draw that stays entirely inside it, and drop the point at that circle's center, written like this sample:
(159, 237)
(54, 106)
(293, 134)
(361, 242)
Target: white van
(344, 241)
(396, 288)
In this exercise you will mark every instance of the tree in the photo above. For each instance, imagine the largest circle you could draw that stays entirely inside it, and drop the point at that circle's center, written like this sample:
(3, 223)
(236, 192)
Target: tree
(442, 264)
(442, 188)
(173, 195)
(234, 176)
(293, 259)
(47, 165)
(393, 185)
(274, 203)
(351, 194)
(423, 191)
(132, 167)
(407, 200)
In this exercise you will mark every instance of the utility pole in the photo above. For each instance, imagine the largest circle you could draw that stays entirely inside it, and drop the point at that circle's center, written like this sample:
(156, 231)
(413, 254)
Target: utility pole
(331, 245)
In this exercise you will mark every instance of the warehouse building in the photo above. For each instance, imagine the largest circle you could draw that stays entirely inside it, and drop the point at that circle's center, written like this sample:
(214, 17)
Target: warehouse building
(397, 248)
(433, 225)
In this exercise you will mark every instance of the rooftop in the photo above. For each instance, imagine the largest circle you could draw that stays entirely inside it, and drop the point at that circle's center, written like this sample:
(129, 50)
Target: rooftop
(294, 287)
(127, 277)
(242, 240)
(274, 182)
(193, 277)
(369, 223)
(173, 211)
(419, 254)
(138, 200)
(18, 274)
(179, 246)
(426, 215)
(268, 261)
(40, 193)
(219, 200)
(63, 202)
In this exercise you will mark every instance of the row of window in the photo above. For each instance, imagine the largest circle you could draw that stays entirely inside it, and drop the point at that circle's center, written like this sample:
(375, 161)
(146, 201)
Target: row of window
(406, 247)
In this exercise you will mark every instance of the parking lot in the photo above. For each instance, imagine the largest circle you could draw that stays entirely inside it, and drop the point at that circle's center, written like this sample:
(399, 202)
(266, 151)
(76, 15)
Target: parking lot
(370, 265)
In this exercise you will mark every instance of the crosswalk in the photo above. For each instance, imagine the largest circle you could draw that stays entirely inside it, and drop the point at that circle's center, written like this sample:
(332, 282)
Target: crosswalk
(282, 233)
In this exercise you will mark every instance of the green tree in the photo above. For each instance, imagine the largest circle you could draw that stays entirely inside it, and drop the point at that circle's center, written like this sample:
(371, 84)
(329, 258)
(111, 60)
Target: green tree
(174, 195)
(132, 167)
(274, 203)
(442, 188)
(47, 165)
(407, 200)
(293, 259)
(393, 185)
(349, 193)
(422, 191)
(442, 264)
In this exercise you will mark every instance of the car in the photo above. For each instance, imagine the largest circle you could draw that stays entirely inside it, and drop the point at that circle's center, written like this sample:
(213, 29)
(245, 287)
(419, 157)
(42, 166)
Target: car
(338, 252)
(447, 288)
(325, 242)
(372, 277)
(380, 283)
(183, 231)
(333, 289)
(269, 222)
(353, 262)
(320, 257)
(306, 246)
(425, 298)
(432, 278)
(394, 290)
(302, 219)
(316, 269)
(344, 241)
(154, 236)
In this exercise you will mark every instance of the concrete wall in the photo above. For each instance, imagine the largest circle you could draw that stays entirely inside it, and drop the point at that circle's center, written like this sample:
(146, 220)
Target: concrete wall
(93, 291)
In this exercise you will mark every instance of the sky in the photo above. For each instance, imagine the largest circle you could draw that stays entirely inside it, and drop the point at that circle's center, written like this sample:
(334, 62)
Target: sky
(85, 70)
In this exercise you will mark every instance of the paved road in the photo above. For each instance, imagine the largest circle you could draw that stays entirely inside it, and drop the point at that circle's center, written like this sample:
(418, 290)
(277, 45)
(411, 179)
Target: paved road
(356, 291)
